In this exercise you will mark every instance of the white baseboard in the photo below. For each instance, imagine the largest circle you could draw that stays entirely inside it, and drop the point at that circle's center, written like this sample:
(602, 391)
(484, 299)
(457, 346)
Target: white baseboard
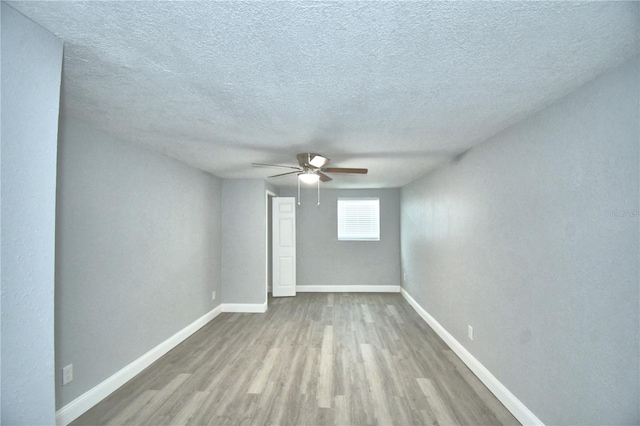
(513, 404)
(256, 308)
(84, 402)
(348, 288)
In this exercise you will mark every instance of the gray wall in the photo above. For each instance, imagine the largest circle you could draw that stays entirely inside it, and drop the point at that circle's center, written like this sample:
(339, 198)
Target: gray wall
(244, 241)
(138, 253)
(532, 238)
(31, 68)
(323, 260)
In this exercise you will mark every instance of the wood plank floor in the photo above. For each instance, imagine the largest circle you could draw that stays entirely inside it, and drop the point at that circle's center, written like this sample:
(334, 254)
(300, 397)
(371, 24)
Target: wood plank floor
(318, 358)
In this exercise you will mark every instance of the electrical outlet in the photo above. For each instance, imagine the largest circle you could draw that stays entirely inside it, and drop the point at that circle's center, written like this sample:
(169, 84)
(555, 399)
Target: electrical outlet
(404, 277)
(470, 332)
(213, 296)
(67, 374)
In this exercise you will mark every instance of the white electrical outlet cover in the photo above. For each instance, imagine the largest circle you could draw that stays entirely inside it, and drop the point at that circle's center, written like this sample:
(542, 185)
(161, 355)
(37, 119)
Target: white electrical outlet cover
(67, 374)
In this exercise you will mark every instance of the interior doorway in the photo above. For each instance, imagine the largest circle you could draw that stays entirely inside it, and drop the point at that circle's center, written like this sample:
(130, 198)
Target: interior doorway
(284, 247)
(269, 249)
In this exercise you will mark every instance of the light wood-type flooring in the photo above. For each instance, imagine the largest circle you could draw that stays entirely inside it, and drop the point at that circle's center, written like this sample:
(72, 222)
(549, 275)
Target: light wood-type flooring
(315, 359)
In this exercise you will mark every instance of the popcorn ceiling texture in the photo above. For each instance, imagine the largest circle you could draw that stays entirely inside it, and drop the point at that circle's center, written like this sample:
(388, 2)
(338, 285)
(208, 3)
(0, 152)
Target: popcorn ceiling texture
(395, 87)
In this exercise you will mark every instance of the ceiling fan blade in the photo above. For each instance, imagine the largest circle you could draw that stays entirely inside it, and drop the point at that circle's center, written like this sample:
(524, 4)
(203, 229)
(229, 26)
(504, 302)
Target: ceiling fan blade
(345, 170)
(323, 177)
(284, 174)
(275, 165)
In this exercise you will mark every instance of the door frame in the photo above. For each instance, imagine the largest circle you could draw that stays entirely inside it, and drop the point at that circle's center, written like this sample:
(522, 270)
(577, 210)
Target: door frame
(268, 249)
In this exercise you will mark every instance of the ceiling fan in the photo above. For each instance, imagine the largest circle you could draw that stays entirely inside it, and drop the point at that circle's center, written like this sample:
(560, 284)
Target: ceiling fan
(311, 169)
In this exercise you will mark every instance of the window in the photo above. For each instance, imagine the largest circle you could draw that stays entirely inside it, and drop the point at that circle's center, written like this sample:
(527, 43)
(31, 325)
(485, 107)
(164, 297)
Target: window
(358, 219)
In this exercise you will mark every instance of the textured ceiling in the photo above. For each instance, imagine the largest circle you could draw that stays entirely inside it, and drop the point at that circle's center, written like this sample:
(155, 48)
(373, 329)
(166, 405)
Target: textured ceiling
(393, 86)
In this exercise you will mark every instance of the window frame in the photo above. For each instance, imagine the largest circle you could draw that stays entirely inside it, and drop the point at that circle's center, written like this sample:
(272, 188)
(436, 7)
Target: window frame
(363, 236)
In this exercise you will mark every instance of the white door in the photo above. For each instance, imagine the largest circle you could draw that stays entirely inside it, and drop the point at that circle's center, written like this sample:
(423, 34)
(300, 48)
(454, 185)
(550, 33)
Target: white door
(284, 246)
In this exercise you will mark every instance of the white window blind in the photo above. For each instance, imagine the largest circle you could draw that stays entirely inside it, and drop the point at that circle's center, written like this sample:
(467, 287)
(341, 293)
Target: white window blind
(359, 219)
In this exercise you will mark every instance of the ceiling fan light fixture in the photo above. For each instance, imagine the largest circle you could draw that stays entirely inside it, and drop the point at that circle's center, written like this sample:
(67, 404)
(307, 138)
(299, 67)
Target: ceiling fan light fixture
(308, 177)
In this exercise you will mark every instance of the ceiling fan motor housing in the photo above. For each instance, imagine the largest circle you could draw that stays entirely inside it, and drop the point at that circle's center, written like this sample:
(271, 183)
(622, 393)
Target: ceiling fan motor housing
(311, 160)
